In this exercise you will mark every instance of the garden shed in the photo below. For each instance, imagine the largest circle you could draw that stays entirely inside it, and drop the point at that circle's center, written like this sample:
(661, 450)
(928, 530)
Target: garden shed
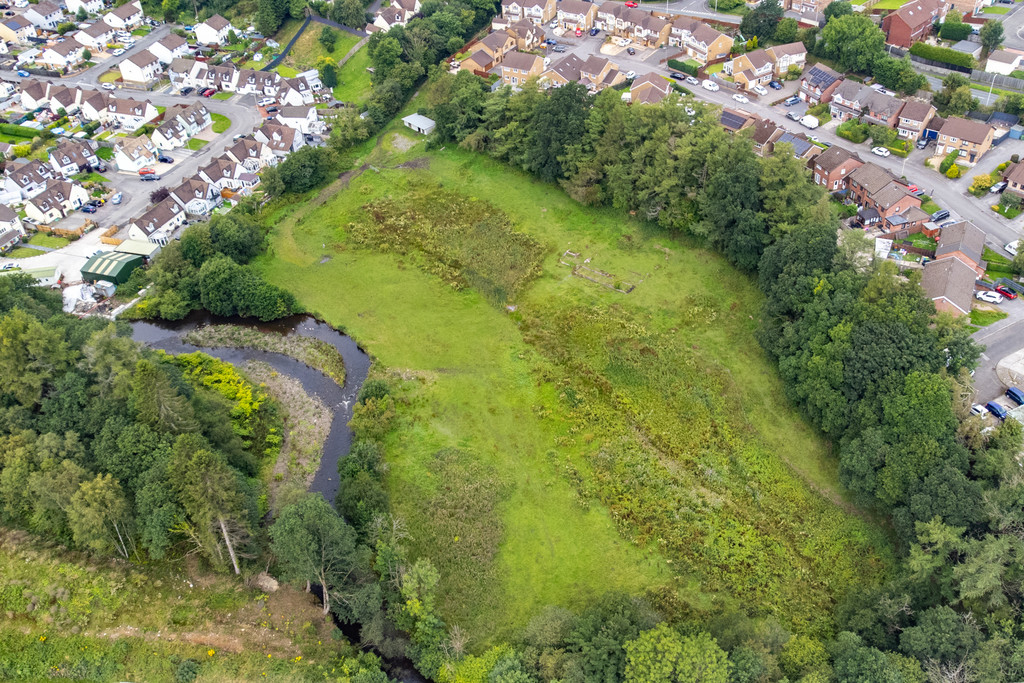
(419, 123)
(113, 266)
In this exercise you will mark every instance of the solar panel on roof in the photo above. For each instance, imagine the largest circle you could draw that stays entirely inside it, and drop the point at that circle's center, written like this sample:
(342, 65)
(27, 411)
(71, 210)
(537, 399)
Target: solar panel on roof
(731, 120)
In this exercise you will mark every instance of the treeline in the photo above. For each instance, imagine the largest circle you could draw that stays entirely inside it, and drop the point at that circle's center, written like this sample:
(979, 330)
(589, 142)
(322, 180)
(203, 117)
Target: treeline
(860, 349)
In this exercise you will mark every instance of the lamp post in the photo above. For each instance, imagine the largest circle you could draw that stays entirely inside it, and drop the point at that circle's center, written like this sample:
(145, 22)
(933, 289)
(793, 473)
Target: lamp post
(988, 100)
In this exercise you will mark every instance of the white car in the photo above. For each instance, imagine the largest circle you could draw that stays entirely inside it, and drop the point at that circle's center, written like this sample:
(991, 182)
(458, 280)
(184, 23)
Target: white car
(630, 75)
(118, 52)
(988, 297)
(978, 409)
(880, 151)
(692, 81)
(743, 99)
(690, 111)
(709, 85)
(760, 90)
(1012, 247)
(266, 101)
(109, 86)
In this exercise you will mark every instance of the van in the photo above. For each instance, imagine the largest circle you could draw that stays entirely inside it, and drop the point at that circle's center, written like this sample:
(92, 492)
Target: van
(996, 409)
(939, 215)
(1015, 395)
(708, 84)
(266, 101)
(809, 122)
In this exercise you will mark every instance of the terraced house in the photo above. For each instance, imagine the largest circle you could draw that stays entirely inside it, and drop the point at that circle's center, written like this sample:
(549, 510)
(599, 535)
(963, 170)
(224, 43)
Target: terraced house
(535, 11)
(642, 27)
(699, 41)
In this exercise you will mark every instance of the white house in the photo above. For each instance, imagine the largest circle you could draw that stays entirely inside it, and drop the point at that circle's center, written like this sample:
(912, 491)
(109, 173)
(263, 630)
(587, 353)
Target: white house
(45, 15)
(281, 140)
(56, 201)
(125, 17)
(419, 123)
(68, 99)
(96, 35)
(17, 29)
(28, 179)
(131, 154)
(9, 220)
(170, 135)
(195, 117)
(90, 6)
(303, 119)
(253, 155)
(213, 31)
(62, 55)
(130, 114)
(196, 196)
(158, 223)
(169, 48)
(72, 156)
(295, 92)
(398, 14)
(140, 67)
(34, 94)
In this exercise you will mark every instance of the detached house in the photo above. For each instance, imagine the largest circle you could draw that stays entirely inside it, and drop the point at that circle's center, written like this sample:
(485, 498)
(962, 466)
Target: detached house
(576, 14)
(72, 156)
(398, 14)
(965, 242)
(596, 72)
(537, 12)
(126, 17)
(281, 140)
(130, 114)
(970, 138)
(170, 135)
(196, 196)
(750, 69)
(527, 35)
(17, 29)
(914, 118)
(140, 67)
(213, 31)
(650, 88)
(34, 93)
(950, 285)
(786, 56)
(131, 154)
(852, 100)
(912, 22)
(158, 223)
(885, 200)
(497, 45)
(195, 117)
(253, 155)
(26, 180)
(831, 167)
(90, 6)
(57, 200)
(96, 36)
(699, 41)
(1014, 177)
(169, 48)
(68, 99)
(62, 56)
(519, 67)
(44, 16)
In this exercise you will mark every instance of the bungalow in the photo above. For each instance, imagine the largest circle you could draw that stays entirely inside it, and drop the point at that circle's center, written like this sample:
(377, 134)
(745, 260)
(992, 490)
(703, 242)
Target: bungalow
(171, 134)
(142, 66)
(131, 154)
(90, 6)
(126, 17)
(526, 34)
(1002, 62)
(195, 117)
(786, 56)
(72, 156)
(27, 179)
(57, 200)
(169, 48)
(912, 22)
(96, 36)
(750, 69)
(281, 140)
(62, 56)
(831, 167)
(17, 29)
(950, 285)
(253, 155)
(196, 196)
(576, 14)
(130, 114)
(852, 100)
(397, 14)
(970, 138)
(213, 31)
(597, 73)
(519, 67)
(651, 88)
(699, 41)
(537, 12)
(303, 119)
(158, 223)
(44, 16)
(914, 118)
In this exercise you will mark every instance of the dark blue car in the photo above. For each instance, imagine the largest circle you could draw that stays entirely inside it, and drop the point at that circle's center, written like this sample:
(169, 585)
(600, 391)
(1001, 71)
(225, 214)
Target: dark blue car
(1015, 395)
(996, 409)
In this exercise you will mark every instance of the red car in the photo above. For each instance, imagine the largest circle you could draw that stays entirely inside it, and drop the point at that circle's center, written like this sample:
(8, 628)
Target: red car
(1006, 291)
(209, 91)
(146, 171)
(579, 32)
(632, 4)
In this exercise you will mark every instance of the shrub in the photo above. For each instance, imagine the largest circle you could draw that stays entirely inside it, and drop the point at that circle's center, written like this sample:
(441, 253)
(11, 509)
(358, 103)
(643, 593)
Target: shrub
(1014, 158)
(954, 31)
(949, 161)
(981, 184)
(854, 131)
(954, 171)
(685, 67)
(942, 54)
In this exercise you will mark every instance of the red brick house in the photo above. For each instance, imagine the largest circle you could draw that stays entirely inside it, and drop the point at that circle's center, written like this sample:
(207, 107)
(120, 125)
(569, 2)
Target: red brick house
(912, 22)
(950, 285)
(831, 167)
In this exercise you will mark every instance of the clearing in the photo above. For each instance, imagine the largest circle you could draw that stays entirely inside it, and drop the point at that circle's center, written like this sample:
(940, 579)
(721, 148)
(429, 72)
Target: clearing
(308, 49)
(354, 81)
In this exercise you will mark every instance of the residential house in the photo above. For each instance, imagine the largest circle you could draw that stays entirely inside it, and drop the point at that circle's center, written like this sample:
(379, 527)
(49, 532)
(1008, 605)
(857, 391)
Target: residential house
(26, 180)
(651, 88)
(735, 120)
(295, 92)
(90, 6)
(132, 154)
(281, 140)
(196, 196)
(171, 134)
(965, 242)
(973, 7)
(970, 138)
(597, 73)
(831, 167)
(159, 222)
(66, 99)
(58, 199)
(750, 69)
(1014, 177)
(169, 48)
(9, 221)
(630, 22)
(126, 17)
(213, 31)
(480, 62)
(253, 155)
(576, 14)
(527, 35)
(949, 283)
(1002, 62)
(9, 239)
(34, 94)
(801, 147)
(249, 82)
(914, 118)
(303, 119)
(72, 156)
(764, 135)
(786, 56)
(699, 41)
(94, 105)
(61, 56)
(195, 117)
(852, 100)
(130, 114)
(497, 45)
(17, 29)
(45, 15)
(519, 67)
(397, 14)
(223, 174)
(142, 66)
(96, 36)
(877, 193)
(912, 22)
(537, 12)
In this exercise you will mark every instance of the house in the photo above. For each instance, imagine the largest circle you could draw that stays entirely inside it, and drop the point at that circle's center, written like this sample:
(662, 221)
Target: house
(90, 6)
(478, 62)
(419, 123)
(912, 22)
(195, 117)
(249, 82)
(831, 167)
(8, 238)
(519, 67)
(1014, 177)
(44, 16)
(576, 14)
(94, 105)
(169, 48)
(159, 222)
(497, 45)
(852, 100)
(786, 56)
(296, 92)
(171, 134)
(28, 179)
(213, 31)
(750, 69)
(537, 12)
(964, 242)
(140, 67)
(10, 221)
(873, 188)
(17, 29)
(914, 118)
(650, 88)
(735, 120)
(96, 36)
(196, 196)
(699, 41)
(764, 135)
(1002, 62)
(126, 17)
(58, 199)
(397, 14)
(131, 154)
(597, 73)
(950, 285)
(66, 99)
(802, 147)
(526, 34)
(642, 27)
(253, 155)
(303, 119)
(283, 140)
(34, 94)
(970, 138)
(222, 173)
(130, 114)
(72, 156)
(61, 56)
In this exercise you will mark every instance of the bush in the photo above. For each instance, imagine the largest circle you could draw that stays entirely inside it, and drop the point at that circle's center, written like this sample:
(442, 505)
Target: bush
(981, 185)
(954, 31)
(949, 161)
(954, 172)
(685, 67)
(942, 54)
(854, 131)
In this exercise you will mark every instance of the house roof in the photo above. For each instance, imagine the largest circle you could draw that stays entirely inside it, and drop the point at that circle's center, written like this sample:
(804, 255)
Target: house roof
(498, 39)
(97, 29)
(801, 145)
(916, 110)
(67, 47)
(524, 3)
(295, 112)
(9, 236)
(217, 22)
(575, 6)
(950, 279)
(172, 41)
(788, 49)
(7, 214)
(143, 58)
(890, 194)
(919, 13)
(481, 58)
(967, 47)
(964, 237)
(192, 188)
(700, 31)
(759, 58)
(1015, 173)
(520, 60)
(157, 216)
(126, 11)
(965, 129)
(1004, 56)
(524, 28)
(279, 137)
(76, 152)
(871, 177)
(111, 265)
(820, 76)
(44, 8)
(734, 120)
(916, 214)
(135, 147)
(140, 247)
(16, 23)
(34, 89)
(764, 131)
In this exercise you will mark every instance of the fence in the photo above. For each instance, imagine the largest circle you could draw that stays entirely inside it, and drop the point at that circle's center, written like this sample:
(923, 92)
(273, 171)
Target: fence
(944, 66)
(108, 236)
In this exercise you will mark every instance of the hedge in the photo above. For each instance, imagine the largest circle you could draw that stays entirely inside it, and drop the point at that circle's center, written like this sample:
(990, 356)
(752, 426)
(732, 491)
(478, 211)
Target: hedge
(951, 31)
(686, 68)
(942, 54)
(18, 131)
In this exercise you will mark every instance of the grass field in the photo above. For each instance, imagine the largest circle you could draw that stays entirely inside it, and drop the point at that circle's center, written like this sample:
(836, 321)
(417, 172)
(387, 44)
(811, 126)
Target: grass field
(982, 318)
(354, 80)
(41, 240)
(220, 122)
(287, 71)
(308, 49)
(995, 10)
(195, 144)
(641, 440)
(110, 76)
(23, 252)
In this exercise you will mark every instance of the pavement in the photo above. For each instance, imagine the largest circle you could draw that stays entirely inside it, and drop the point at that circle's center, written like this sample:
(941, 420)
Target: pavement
(1013, 25)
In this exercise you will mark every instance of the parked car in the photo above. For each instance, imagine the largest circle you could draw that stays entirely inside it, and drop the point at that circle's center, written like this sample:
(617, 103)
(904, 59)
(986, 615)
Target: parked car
(692, 81)
(186, 91)
(677, 76)
(1015, 395)
(209, 92)
(940, 215)
(808, 121)
(947, 224)
(118, 52)
(116, 199)
(579, 32)
(922, 143)
(594, 31)
(109, 86)
(742, 99)
(266, 101)
(998, 187)
(558, 48)
(912, 187)
(100, 167)
(793, 116)
(977, 409)
(996, 409)
(96, 202)
(880, 151)
(775, 85)
(146, 171)
(272, 110)
(760, 90)
(1011, 248)
(631, 3)
(709, 85)
(630, 75)
(988, 297)
(690, 111)
(791, 101)
(23, 73)
(89, 208)
(164, 159)
(1007, 292)
(630, 51)
(150, 178)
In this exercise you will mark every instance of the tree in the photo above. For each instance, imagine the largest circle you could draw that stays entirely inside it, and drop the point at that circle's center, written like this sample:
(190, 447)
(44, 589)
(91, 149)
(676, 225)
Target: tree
(98, 517)
(296, 8)
(762, 20)
(853, 41)
(991, 35)
(661, 655)
(786, 31)
(267, 18)
(328, 71)
(66, 27)
(158, 195)
(558, 121)
(169, 10)
(328, 37)
(955, 97)
(81, 14)
(839, 8)
(86, 55)
(305, 169)
(954, 28)
(31, 356)
(314, 545)
(349, 12)
(802, 655)
(156, 402)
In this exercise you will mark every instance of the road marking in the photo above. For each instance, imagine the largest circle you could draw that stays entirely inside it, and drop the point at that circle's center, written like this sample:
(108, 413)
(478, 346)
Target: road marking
(985, 357)
(1001, 329)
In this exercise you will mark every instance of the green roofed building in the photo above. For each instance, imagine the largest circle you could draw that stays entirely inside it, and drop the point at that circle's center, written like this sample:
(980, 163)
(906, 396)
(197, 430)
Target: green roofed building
(143, 248)
(111, 266)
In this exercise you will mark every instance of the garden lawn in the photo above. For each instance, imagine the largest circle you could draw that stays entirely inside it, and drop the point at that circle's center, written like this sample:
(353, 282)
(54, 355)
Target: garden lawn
(222, 96)
(41, 240)
(627, 431)
(287, 71)
(927, 205)
(220, 122)
(983, 317)
(354, 81)
(308, 49)
(105, 153)
(92, 176)
(195, 144)
(110, 77)
(889, 4)
(995, 10)
(23, 252)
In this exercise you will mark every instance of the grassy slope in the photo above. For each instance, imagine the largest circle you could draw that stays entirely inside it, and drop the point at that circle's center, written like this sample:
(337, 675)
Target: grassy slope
(307, 49)
(485, 389)
(353, 79)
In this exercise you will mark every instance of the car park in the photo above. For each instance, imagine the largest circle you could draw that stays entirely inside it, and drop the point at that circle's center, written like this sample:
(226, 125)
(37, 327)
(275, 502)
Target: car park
(998, 187)
(109, 86)
(742, 99)
(1007, 292)
(791, 101)
(1015, 395)
(996, 409)
(1011, 248)
(988, 297)
(760, 90)
(940, 215)
(775, 85)
(150, 178)
(709, 85)
(880, 151)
